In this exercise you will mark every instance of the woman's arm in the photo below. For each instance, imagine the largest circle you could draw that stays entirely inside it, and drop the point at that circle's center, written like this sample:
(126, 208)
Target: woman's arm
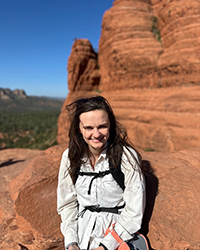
(67, 205)
(130, 219)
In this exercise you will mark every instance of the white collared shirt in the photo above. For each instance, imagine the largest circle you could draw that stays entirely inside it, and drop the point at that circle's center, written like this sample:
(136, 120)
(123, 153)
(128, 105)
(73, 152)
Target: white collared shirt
(89, 230)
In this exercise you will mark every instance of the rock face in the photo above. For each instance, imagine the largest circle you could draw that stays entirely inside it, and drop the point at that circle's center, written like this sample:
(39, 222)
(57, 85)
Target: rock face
(165, 119)
(179, 25)
(144, 44)
(128, 49)
(82, 67)
(174, 223)
(12, 163)
(130, 54)
(175, 220)
(34, 223)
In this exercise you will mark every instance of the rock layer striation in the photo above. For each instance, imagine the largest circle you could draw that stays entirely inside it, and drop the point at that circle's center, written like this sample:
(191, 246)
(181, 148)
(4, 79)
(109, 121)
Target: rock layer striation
(128, 49)
(162, 119)
(179, 25)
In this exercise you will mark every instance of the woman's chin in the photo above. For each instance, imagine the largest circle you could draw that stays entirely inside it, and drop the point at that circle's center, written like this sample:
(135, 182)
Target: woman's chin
(97, 146)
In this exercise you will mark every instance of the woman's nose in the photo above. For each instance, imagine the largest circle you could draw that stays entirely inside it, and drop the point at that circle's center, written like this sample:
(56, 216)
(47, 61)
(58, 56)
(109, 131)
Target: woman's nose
(96, 132)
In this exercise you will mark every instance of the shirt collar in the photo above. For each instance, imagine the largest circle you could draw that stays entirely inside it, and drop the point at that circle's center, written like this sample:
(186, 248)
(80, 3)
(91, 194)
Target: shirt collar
(103, 153)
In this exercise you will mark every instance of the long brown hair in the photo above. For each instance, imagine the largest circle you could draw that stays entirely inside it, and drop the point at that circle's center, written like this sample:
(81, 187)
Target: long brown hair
(77, 145)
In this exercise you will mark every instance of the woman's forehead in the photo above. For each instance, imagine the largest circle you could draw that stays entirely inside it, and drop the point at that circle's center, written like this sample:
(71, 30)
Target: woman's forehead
(94, 116)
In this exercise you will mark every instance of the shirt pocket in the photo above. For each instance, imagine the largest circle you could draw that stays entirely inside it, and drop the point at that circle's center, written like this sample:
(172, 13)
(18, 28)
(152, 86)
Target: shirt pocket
(109, 191)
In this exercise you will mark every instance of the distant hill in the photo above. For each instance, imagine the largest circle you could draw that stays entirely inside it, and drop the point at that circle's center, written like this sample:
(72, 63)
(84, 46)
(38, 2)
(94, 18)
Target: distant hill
(17, 100)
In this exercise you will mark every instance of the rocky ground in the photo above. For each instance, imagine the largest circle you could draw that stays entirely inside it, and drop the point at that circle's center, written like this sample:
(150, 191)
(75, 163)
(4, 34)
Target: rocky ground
(12, 163)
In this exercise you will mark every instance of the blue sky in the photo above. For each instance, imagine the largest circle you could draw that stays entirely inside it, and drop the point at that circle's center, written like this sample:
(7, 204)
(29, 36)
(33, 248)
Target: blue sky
(36, 38)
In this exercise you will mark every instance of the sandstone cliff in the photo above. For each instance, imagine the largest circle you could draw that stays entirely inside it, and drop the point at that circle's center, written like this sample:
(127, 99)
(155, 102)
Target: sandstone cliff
(128, 49)
(148, 45)
(179, 25)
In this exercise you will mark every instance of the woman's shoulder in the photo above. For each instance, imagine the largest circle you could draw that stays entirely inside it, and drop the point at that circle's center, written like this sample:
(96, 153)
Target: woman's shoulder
(65, 157)
(129, 152)
(130, 160)
(66, 152)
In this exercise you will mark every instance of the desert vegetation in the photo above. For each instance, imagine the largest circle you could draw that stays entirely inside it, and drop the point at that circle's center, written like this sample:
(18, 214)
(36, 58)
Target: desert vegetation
(33, 129)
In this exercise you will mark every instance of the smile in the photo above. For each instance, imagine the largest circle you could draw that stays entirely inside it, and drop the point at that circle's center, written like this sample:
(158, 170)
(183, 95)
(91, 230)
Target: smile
(96, 140)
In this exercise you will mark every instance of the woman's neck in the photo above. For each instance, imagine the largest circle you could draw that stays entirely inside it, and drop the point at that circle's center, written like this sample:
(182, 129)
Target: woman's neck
(93, 156)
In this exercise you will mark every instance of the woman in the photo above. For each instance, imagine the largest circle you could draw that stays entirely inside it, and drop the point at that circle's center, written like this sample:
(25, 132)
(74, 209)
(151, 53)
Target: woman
(100, 185)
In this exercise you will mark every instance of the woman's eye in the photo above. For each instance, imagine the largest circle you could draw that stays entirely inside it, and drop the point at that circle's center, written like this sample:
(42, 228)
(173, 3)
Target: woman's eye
(103, 126)
(88, 128)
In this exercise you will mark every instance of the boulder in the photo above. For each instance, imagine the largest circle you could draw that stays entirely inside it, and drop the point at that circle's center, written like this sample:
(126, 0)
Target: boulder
(34, 195)
(175, 220)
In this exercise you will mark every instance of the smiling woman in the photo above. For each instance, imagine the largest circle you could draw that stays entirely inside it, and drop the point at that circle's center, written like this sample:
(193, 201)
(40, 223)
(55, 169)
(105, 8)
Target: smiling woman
(101, 189)
(94, 127)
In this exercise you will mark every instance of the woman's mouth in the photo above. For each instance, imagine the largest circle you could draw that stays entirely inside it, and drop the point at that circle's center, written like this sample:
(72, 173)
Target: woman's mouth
(96, 140)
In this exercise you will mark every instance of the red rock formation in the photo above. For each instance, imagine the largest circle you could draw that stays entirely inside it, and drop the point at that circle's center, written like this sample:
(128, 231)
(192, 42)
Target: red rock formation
(131, 57)
(165, 119)
(82, 67)
(34, 195)
(179, 24)
(128, 49)
(175, 220)
(130, 54)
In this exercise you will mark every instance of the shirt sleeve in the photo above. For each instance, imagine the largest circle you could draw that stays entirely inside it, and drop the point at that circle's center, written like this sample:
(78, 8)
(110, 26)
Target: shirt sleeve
(67, 205)
(130, 219)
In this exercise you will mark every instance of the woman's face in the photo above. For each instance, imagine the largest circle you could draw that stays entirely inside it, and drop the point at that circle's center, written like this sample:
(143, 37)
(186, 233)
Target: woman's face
(94, 126)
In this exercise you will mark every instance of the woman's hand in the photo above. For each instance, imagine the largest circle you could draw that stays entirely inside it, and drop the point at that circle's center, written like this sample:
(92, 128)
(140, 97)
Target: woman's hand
(98, 248)
(73, 247)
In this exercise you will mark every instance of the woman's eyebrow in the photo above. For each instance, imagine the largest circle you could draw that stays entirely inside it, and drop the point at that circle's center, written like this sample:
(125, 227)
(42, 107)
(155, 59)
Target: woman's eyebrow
(88, 125)
(103, 124)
